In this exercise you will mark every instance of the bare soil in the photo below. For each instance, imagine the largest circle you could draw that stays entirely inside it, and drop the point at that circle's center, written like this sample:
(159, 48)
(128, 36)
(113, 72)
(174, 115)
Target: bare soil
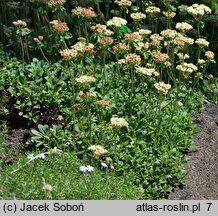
(202, 166)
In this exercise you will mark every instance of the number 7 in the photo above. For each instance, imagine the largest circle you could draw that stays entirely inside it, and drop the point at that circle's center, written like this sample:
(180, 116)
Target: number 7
(209, 205)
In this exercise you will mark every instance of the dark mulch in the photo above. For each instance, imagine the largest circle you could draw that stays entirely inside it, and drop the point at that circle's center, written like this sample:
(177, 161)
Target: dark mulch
(202, 166)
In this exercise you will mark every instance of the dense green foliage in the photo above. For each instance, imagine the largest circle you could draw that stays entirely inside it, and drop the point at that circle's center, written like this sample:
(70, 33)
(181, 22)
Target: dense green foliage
(119, 97)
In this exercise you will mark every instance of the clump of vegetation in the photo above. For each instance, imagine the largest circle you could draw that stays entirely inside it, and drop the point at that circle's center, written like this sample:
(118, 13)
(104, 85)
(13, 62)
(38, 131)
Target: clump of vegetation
(119, 92)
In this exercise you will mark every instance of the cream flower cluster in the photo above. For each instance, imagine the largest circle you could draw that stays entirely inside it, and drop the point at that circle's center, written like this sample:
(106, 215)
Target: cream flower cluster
(183, 26)
(20, 23)
(169, 33)
(69, 54)
(82, 47)
(162, 87)
(183, 8)
(202, 42)
(56, 2)
(147, 71)
(144, 32)
(123, 3)
(85, 79)
(198, 10)
(169, 14)
(138, 16)
(97, 150)
(120, 122)
(141, 46)
(183, 56)
(152, 10)
(116, 22)
(186, 67)
(76, 50)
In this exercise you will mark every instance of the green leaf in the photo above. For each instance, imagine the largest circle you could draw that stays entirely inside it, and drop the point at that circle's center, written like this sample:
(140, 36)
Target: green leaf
(124, 29)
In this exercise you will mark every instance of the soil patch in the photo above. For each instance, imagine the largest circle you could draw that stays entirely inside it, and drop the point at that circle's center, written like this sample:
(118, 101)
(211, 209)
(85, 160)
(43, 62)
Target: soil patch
(202, 166)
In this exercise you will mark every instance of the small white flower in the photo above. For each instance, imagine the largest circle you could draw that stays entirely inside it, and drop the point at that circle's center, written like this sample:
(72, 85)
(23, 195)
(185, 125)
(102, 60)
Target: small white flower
(30, 157)
(112, 167)
(90, 168)
(132, 142)
(41, 156)
(83, 169)
(141, 190)
(104, 164)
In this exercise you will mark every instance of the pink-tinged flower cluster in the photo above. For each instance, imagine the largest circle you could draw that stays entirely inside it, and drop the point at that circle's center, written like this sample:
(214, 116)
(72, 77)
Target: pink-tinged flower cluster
(209, 55)
(181, 40)
(20, 23)
(87, 94)
(121, 47)
(155, 39)
(160, 57)
(133, 37)
(60, 27)
(84, 12)
(100, 29)
(123, 3)
(103, 103)
(106, 41)
(132, 59)
(38, 39)
(162, 87)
